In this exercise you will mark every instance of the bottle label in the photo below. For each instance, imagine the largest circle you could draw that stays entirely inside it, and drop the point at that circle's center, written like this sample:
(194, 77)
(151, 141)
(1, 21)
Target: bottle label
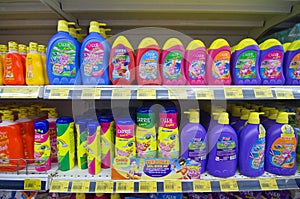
(197, 149)
(172, 65)
(145, 120)
(226, 149)
(168, 120)
(4, 153)
(125, 141)
(107, 140)
(245, 65)
(283, 150)
(121, 61)
(9, 73)
(63, 59)
(294, 68)
(81, 148)
(29, 69)
(146, 144)
(53, 141)
(220, 67)
(257, 154)
(148, 67)
(168, 143)
(270, 67)
(197, 66)
(42, 148)
(93, 60)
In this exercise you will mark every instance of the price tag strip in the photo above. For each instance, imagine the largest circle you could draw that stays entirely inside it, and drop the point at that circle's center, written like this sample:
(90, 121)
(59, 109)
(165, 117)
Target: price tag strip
(233, 93)
(229, 185)
(80, 186)
(125, 187)
(172, 186)
(179, 93)
(59, 186)
(146, 93)
(147, 187)
(20, 92)
(32, 184)
(284, 94)
(91, 93)
(205, 94)
(202, 186)
(263, 92)
(268, 184)
(104, 187)
(59, 93)
(121, 93)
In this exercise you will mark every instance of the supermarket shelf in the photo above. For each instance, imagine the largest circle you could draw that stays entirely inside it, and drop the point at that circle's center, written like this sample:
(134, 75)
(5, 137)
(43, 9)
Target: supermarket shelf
(172, 92)
(77, 180)
(21, 92)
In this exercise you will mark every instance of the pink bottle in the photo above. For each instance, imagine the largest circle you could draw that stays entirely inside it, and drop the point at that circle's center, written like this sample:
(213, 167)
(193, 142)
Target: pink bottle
(172, 62)
(218, 63)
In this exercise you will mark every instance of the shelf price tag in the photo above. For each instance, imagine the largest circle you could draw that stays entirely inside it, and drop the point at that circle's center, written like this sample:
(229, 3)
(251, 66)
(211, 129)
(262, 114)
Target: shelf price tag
(80, 186)
(146, 94)
(229, 185)
(202, 186)
(268, 184)
(172, 186)
(125, 187)
(205, 94)
(284, 94)
(263, 92)
(20, 92)
(104, 187)
(59, 93)
(147, 187)
(121, 93)
(59, 186)
(91, 93)
(178, 93)
(32, 184)
(233, 93)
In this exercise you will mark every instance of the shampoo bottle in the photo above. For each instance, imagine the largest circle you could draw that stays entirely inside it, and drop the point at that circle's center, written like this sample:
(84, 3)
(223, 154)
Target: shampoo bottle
(3, 49)
(81, 143)
(42, 51)
(94, 147)
(281, 144)
(239, 125)
(291, 64)
(273, 114)
(252, 147)
(23, 50)
(34, 66)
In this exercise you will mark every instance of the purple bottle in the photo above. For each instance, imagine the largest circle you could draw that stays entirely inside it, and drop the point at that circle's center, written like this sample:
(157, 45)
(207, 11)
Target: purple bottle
(193, 140)
(244, 63)
(281, 144)
(235, 114)
(239, 125)
(291, 64)
(252, 147)
(273, 114)
(271, 61)
(223, 149)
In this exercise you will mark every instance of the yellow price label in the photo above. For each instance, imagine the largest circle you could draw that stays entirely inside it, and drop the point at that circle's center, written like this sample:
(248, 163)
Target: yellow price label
(205, 94)
(179, 93)
(80, 186)
(229, 185)
(104, 187)
(125, 187)
(263, 92)
(172, 186)
(91, 93)
(121, 93)
(268, 184)
(147, 187)
(202, 186)
(59, 93)
(233, 93)
(32, 184)
(284, 94)
(20, 92)
(146, 94)
(59, 186)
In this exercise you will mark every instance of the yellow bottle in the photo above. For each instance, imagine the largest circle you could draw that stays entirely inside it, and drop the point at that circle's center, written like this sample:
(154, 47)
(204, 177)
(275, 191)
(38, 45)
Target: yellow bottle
(3, 50)
(42, 51)
(34, 66)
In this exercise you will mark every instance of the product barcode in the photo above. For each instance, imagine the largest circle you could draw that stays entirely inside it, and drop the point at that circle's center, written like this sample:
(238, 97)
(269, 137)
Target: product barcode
(226, 186)
(77, 187)
(122, 187)
(199, 187)
(170, 186)
(280, 94)
(56, 187)
(30, 185)
(230, 94)
(265, 185)
(143, 94)
(201, 94)
(102, 187)
(144, 187)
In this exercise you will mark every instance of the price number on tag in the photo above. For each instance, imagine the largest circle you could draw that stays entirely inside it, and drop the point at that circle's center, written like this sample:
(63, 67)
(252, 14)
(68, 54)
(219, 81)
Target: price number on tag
(104, 187)
(125, 187)
(172, 186)
(59, 186)
(284, 94)
(59, 93)
(121, 93)
(91, 93)
(205, 94)
(202, 186)
(32, 184)
(228, 185)
(80, 187)
(263, 92)
(146, 94)
(147, 187)
(233, 93)
(268, 184)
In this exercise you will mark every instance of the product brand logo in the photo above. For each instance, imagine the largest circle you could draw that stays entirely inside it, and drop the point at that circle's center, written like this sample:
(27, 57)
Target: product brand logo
(121, 50)
(94, 45)
(144, 120)
(65, 44)
(123, 131)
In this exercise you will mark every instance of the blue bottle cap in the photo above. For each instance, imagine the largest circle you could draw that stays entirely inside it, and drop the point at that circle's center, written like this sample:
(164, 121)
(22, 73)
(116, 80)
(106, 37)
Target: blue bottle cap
(64, 120)
(105, 118)
(42, 125)
(92, 127)
(124, 121)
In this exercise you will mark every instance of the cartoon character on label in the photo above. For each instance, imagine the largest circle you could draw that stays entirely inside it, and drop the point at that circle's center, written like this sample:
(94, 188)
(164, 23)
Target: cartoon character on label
(133, 173)
(173, 67)
(272, 66)
(61, 64)
(221, 67)
(142, 144)
(41, 155)
(257, 161)
(127, 149)
(93, 62)
(183, 169)
(194, 172)
(296, 72)
(197, 69)
(166, 145)
(246, 69)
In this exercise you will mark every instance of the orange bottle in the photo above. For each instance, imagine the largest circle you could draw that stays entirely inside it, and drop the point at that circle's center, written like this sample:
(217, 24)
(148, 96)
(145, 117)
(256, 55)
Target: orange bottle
(22, 49)
(13, 67)
(3, 49)
(11, 147)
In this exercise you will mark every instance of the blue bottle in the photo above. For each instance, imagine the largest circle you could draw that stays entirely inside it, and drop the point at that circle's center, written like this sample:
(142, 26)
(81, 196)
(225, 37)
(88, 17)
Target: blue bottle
(273, 113)
(63, 57)
(291, 63)
(239, 125)
(94, 57)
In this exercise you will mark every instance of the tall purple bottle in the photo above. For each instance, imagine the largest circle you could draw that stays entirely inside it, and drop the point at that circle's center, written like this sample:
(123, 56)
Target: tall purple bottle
(223, 149)
(252, 147)
(244, 63)
(291, 63)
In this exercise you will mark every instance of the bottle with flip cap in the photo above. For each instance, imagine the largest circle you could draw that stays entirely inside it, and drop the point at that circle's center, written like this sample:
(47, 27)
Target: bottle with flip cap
(34, 66)
(238, 126)
(3, 49)
(273, 114)
(42, 51)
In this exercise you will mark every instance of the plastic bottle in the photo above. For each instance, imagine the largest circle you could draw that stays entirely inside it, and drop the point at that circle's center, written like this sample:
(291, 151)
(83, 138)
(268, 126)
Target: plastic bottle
(107, 124)
(13, 66)
(223, 148)
(239, 125)
(122, 62)
(94, 147)
(193, 140)
(3, 49)
(265, 117)
(235, 114)
(273, 114)
(146, 144)
(270, 62)
(63, 57)
(65, 143)
(286, 46)
(34, 66)
(252, 147)
(42, 51)
(81, 143)
(22, 49)
(147, 62)
(52, 117)
(245, 67)
(281, 144)
(12, 154)
(195, 63)
(291, 64)
(125, 139)
(42, 147)
(218, 63)
(94, 57)
(168, 135)
(172, 62)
